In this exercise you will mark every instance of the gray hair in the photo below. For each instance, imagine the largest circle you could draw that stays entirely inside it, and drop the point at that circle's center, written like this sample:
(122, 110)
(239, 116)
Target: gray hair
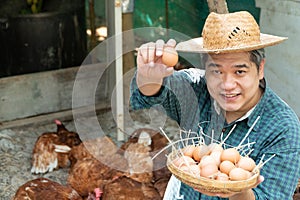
(256, 56)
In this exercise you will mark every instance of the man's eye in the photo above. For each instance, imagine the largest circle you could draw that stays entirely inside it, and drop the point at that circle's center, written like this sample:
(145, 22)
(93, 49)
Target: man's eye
(240, 72)
(216, 72)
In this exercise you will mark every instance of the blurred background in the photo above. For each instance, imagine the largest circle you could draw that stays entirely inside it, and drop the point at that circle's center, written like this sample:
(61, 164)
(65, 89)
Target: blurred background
(63, 33)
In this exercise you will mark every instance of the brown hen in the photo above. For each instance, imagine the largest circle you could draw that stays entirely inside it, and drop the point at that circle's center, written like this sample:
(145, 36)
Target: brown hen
(161, 173)
(120, 172)
(129, 189)
(89, 173)
(93, 164)
(45, 189)
(51, 150)
(98, 148)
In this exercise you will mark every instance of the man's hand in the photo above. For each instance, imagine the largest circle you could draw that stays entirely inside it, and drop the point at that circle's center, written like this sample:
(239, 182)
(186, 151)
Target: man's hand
(150, 69)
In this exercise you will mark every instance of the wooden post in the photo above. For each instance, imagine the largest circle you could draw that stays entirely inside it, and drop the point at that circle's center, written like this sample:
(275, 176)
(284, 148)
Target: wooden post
(114, 53)
(128, 42)
(92, 16)
(217, 6)
(119, 71)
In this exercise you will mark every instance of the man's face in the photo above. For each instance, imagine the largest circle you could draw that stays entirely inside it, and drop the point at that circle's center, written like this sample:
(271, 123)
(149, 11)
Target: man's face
(233, 81)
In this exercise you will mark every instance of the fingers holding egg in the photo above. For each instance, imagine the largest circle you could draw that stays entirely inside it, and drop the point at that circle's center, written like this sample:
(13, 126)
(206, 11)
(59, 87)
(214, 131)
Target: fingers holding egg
(143, 54)
(171, 43)
(151, 52)
(159, 47)
(158, 52)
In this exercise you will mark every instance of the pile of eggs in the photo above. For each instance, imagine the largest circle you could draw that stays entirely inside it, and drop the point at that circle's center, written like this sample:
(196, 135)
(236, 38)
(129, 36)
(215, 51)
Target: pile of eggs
(213, 162)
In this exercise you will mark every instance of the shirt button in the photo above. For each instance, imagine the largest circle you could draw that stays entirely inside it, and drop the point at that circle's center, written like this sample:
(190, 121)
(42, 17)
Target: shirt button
(223, 130)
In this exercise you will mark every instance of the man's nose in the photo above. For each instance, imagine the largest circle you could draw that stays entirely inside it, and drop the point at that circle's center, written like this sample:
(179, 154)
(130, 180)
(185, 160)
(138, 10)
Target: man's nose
(228, 82)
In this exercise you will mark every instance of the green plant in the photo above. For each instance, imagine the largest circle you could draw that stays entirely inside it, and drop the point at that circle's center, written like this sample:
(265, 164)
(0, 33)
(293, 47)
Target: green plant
(35, 5)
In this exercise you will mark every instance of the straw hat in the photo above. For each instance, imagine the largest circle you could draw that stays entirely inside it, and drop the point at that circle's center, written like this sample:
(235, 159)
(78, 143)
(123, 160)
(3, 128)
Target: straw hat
(227, 33)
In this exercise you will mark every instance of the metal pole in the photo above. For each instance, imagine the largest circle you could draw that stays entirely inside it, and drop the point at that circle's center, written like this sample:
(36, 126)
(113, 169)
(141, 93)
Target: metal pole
(119, 70)
(114, 53)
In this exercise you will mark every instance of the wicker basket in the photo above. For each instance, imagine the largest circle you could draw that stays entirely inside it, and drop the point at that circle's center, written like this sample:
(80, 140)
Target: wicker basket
(210, 185)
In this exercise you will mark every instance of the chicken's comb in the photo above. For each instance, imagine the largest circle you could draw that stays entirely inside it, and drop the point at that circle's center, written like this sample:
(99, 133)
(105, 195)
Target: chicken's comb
(98, 192)
(57, 122)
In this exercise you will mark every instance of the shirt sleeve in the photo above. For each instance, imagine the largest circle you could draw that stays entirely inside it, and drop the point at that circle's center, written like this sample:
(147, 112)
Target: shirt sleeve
(178, 95)
(140, 101)
(282, 172)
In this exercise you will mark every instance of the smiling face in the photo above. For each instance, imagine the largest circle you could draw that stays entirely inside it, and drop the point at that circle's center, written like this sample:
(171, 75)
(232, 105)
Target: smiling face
(233, 81)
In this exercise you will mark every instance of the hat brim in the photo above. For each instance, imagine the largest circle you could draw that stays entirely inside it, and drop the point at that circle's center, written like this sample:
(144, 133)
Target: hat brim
(195, 45)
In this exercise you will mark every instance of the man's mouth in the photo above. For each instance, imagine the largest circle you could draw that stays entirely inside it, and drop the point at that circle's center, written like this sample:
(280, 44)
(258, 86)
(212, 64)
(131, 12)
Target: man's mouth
(229, 96)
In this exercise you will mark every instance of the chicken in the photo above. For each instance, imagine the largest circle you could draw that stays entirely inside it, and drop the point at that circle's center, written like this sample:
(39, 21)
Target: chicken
(51, 150)
(161, 184)
(129, 189)
(161, 173)
(140, 164)
(93, 164)
(100, 164)
(98, 148)
(89, 173)
(135, 162)
(43, 188)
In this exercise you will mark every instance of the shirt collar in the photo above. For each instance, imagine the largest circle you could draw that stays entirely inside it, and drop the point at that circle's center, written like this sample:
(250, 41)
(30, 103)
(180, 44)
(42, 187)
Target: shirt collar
(246, 115)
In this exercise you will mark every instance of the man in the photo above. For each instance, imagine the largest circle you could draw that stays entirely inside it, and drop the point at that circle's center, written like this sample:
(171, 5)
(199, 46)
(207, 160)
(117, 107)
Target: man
(232, 93)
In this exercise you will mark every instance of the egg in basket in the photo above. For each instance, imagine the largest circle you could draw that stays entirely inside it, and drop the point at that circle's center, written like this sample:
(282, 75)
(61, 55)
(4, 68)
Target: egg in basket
(214, 167)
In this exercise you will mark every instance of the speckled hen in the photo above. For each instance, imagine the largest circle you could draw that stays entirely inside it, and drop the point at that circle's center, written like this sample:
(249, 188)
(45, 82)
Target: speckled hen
(51, 149)
(45, 189)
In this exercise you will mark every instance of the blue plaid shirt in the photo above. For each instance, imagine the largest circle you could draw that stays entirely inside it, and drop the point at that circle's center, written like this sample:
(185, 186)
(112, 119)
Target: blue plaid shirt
(185, 98)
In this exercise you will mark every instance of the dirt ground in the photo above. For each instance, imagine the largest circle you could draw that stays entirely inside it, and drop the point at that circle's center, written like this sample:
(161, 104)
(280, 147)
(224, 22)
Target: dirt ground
(16, 146)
